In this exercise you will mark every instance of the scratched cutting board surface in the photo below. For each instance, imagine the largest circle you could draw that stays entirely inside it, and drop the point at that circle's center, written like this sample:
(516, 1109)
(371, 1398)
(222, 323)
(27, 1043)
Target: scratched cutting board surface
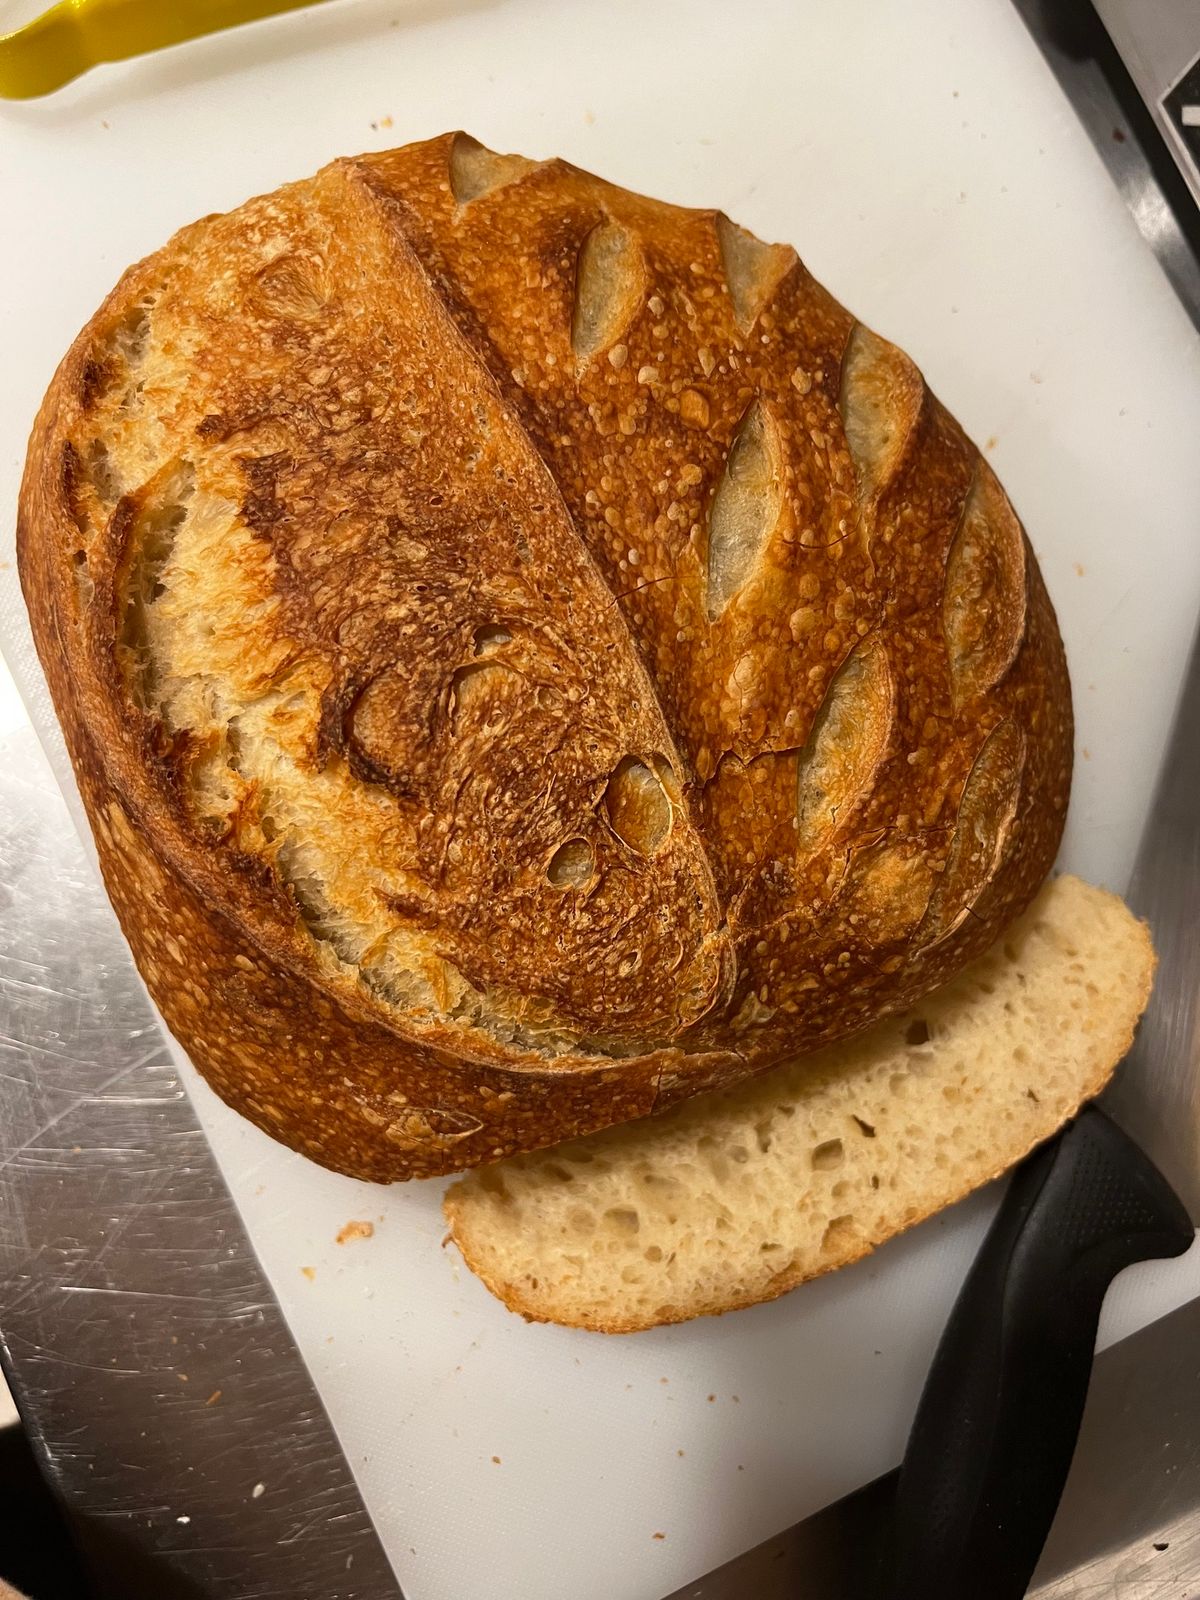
(924, 162)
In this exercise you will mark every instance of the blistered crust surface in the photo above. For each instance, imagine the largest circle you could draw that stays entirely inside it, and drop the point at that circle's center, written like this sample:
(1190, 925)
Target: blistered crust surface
(536, 630)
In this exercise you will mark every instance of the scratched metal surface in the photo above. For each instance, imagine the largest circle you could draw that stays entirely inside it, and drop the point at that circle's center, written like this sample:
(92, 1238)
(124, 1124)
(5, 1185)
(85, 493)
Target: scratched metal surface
(151, 1363)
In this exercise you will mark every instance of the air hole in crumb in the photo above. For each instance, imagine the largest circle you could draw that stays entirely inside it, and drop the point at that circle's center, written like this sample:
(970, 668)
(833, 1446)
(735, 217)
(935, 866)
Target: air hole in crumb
(917, 1032)
(653, 1252)
(840, 1236)
(826, 1157)
(623, 1218)
(865, 1128)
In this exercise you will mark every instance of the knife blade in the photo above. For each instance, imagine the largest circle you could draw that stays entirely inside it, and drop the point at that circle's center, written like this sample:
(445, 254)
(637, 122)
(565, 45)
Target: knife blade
(1155, 1094)
(996, 1426)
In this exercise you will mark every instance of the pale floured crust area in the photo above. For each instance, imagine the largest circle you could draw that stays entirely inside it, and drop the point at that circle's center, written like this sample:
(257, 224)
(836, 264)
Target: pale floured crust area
(536, 630)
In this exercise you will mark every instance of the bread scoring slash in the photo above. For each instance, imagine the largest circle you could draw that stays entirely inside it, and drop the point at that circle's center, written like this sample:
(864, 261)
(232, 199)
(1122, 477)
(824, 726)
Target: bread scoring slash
(528, 656)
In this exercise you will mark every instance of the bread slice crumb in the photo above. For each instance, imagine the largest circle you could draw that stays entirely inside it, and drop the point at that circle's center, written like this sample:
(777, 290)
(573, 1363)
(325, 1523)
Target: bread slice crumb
(355, 1230)
(737, 1197)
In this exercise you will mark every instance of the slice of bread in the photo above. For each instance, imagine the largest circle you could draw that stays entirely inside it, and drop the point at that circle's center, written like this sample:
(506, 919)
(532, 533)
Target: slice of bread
(737, 1197)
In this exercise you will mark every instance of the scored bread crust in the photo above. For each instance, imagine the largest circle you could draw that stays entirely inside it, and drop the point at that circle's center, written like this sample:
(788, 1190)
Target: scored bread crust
(528, 656)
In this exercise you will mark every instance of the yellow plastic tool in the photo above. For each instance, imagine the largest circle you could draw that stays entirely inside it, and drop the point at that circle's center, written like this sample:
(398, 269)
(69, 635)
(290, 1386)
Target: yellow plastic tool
(78, 34)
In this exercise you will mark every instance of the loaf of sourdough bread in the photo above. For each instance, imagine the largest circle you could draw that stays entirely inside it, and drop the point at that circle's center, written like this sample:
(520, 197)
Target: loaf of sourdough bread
(528, 654)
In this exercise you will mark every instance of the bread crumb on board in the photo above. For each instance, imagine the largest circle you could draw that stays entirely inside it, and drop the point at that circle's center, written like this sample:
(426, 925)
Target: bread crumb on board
(355, 1230)
(310, 1273)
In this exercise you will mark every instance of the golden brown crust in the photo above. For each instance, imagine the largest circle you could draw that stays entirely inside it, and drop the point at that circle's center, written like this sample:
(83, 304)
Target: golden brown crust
(526, 655)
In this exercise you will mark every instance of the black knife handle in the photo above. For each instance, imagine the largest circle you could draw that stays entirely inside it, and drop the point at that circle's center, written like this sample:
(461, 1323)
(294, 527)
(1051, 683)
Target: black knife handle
(997, 1423)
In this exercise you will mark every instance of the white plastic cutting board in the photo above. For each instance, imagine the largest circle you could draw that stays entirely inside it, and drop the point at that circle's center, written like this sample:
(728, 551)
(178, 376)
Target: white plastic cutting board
(922, 159)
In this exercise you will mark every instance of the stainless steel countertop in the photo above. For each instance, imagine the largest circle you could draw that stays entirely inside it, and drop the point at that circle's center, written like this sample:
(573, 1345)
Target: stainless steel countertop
(155, 1374)
(159, 1383)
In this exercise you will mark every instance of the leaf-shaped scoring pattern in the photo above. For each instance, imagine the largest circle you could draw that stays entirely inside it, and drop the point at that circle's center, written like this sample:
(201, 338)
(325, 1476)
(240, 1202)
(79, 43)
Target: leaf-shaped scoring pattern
(880, 402)
(474, 169)
(847, 743)
(746, 506)
(986, 813)
(984, 602)
(753, 270)
(886, 891)
(610, 285)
